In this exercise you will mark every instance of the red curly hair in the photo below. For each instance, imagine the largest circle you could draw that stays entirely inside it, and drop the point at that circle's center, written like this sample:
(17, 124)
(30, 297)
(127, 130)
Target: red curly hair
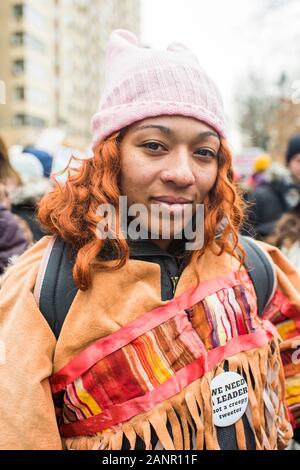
(70, 210)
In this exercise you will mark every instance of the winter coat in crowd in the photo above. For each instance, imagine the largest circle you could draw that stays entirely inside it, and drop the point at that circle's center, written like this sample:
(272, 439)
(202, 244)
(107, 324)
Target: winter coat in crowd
(12, 238)
(270, 200)
(25, 199)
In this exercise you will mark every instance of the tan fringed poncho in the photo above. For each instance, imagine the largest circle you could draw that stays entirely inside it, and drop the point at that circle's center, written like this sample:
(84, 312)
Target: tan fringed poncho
(126, 360)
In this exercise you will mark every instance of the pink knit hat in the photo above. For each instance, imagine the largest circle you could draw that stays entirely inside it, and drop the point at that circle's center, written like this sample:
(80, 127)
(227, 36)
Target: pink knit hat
(142, 82)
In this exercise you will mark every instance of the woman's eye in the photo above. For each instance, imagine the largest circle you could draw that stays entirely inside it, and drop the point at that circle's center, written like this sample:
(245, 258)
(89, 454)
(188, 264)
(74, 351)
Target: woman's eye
(155, 146)
(205, 153)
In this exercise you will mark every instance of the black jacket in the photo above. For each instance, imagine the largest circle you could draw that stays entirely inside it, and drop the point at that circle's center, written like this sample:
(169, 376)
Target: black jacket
(12, 239)
(269, 201)
(267, 204)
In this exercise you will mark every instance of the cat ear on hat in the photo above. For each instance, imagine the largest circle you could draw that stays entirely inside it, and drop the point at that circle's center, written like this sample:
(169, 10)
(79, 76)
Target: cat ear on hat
(120, 41)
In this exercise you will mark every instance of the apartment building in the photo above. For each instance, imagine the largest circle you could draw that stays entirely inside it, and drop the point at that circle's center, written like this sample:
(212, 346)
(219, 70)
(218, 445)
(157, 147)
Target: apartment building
(52, 63)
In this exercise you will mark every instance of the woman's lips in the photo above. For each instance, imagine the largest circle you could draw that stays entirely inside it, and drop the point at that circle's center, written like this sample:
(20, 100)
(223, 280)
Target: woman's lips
(170, 204)
(172, 199)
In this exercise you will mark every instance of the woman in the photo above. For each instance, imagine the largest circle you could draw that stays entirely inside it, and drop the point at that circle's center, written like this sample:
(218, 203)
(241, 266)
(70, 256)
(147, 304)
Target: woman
(34, 186)
(278, 193)
(286, 234)
(11, 183)
(15, 235)
(162, 346)
(12, 238)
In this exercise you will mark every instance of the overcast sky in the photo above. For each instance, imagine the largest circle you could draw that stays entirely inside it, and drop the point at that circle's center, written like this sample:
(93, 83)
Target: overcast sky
(230, 38)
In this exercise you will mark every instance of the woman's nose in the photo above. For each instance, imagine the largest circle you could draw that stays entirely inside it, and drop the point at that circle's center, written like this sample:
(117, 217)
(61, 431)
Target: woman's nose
(179, 170)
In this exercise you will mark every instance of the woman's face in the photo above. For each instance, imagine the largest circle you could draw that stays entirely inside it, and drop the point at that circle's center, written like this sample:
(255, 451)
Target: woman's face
(170, 162)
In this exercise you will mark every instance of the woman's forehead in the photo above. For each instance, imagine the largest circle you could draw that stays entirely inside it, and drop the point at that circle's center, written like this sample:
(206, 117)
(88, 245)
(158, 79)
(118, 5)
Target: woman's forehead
(174, 125)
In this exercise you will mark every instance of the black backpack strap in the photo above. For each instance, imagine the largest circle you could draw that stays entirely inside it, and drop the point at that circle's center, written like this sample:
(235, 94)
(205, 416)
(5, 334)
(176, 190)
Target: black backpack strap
(55, 289)
(261, 271)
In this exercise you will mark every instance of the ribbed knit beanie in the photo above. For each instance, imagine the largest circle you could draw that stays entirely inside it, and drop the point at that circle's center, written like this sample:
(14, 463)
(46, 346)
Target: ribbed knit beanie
(142, 82)
(293, 148)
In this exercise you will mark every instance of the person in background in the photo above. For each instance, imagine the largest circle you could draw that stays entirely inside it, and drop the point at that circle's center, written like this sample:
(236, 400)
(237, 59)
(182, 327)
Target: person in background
(34, 185)
(11, 182)
(286, 236)
(279, 193)
(293, 157)
(261, 164)
(13, 240)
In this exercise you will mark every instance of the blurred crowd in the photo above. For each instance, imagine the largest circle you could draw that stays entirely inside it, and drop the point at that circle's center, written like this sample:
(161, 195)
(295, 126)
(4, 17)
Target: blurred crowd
(273, 196)
(272, 193)
(24, 179)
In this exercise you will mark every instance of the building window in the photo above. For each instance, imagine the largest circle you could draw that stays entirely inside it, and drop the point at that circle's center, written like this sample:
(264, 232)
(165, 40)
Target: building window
(31, 94)
(17, 39)
(18, 10)
(19, 93)
(20, 120)
(18, 67)
(20, 38)
(21, 66)
(23, 11)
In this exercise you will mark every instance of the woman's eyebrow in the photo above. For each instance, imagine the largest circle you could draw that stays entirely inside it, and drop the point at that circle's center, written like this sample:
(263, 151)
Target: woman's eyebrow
(168, 131)
(163, 129)
(205, 134)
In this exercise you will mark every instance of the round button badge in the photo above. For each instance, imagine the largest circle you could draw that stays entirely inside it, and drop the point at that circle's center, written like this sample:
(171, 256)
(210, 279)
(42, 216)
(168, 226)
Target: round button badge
(229, 395)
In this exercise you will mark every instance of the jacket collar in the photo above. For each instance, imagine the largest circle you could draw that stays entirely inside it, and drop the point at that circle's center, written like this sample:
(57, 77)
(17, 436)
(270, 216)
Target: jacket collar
(146, 247)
